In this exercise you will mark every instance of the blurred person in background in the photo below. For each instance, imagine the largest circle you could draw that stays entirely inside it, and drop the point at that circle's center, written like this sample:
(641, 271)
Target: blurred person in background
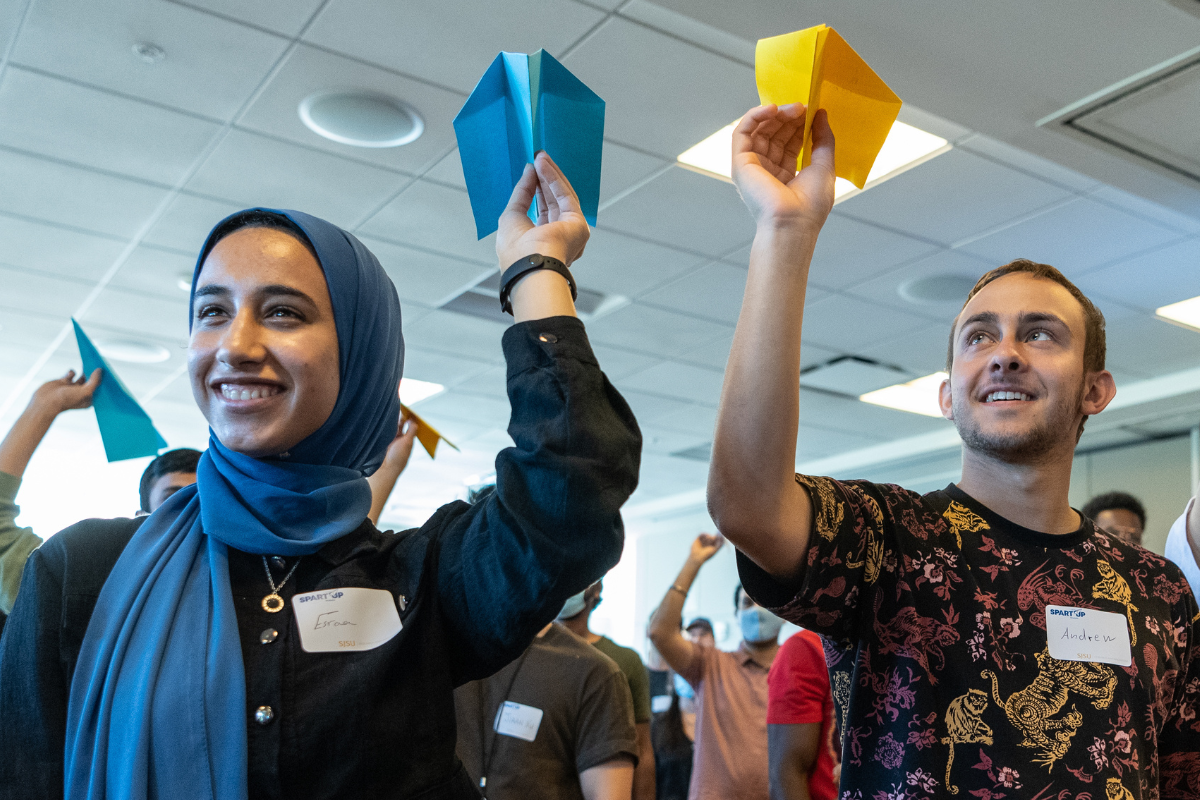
(1119, 513)
(672, 731)
(731, 688)
(801, 745)
(575, 615)
(556, 724)
(700, 631)
(177, 653)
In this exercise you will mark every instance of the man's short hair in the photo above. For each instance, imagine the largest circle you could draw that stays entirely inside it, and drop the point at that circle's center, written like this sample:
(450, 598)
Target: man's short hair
(1110, 501)
(1094, 346)
(183, 460)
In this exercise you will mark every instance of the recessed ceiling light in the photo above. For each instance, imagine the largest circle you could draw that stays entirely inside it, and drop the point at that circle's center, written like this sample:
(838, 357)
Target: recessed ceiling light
(918, 396)
(132, 351)
(905, 148)
(361, 119)
(937, 289)
(149, 52)
(413, 391)
(1185, 313)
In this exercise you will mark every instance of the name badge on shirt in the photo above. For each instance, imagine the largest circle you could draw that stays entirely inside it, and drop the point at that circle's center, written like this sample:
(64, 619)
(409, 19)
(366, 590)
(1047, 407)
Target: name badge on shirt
(520, 721)
(1085, 634)
(353, 618)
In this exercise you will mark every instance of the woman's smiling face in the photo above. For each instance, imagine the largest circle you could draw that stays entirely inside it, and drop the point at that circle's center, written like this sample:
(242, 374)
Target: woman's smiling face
(263, 354)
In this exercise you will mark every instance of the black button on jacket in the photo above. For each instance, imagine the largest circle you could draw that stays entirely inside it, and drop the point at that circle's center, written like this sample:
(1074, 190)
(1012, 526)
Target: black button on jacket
(478, 581)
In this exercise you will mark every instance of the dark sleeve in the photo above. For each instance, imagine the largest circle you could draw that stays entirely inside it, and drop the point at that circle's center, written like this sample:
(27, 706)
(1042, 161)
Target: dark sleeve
(33, 688)
(639, 687)
(605, 728)
(850, 543)
(553, 526)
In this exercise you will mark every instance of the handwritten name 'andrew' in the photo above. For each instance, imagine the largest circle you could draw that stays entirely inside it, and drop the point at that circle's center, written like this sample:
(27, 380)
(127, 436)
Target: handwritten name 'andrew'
(1084, 636)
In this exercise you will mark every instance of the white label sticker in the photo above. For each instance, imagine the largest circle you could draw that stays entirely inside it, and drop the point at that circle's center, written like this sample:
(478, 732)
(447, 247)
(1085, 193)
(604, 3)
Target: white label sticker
(352, 618)
(1085, 634)
(514, 719)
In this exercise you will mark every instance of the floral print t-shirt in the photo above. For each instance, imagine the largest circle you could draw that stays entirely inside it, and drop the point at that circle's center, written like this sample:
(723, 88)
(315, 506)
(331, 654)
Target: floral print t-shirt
(933, 609)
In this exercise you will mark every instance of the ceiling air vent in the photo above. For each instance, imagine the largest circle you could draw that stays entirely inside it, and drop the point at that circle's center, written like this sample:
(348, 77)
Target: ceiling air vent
(851, 376)
(1145, 118)
(483, 300)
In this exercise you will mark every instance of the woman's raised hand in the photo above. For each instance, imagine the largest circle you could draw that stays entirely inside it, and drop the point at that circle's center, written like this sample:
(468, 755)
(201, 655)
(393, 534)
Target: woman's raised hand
(766, 144)
(561, 231)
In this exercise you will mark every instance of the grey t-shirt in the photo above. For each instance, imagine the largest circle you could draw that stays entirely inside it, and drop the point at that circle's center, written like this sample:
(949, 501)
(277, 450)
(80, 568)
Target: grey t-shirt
(587, 720)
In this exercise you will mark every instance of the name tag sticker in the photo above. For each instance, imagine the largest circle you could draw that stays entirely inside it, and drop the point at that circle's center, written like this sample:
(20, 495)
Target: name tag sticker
(520, 721)
(1085, 634)
(339, 620)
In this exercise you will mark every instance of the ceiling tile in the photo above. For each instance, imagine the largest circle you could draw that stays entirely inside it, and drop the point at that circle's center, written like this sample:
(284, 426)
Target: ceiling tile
(921, 352)
(614, 263)
(1039, 167)
(449, 171)
(491, 382)
(309, 70)
(477, 409)
(1153, 279)
(41, 293)
(852, 416)
(1075, 237)
(662, 94)
(211, 67)
(1146, 209)
(849, 252)
(653, 330)
(75, 197)
(152, 270)
(1151, 346)
(139, 313)
(665, 442)
(186, 222)
(53, 249)
(618, 363)
(29, 329)
(697, 419)
(285, 17)
(686, 210)
(714, 291)
(849, 325)
(422, 276)
(814, 442)
(682, 381)
(457, 334)
(954, 264)
(258, 171)
(64, 120)
(449, 43)
(648, 408)
(438, 367)
(953, 197)
(715, 354)
(622, 167)
(435, 217)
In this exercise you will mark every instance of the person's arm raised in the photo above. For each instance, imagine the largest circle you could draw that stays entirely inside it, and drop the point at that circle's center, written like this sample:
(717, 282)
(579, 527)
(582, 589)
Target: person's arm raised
(51, 399)
(561, 232)
(752, 491)
(667, 623)
(383, 480)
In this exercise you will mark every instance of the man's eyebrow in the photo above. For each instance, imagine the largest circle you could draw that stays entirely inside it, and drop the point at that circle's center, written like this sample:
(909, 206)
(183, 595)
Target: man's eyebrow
(1041, 316)
(989, 317)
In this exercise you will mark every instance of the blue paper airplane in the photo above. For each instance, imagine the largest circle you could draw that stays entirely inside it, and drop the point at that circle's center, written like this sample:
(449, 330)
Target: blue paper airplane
(124, 426)
(523, 104)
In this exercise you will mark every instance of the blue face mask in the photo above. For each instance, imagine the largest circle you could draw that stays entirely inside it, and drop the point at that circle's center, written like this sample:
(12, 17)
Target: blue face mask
(683, 689)
(759, 625)
(573, 606)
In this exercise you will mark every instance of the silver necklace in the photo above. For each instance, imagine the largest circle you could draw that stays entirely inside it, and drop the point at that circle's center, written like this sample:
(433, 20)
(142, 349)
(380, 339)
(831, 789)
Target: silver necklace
(273, 603)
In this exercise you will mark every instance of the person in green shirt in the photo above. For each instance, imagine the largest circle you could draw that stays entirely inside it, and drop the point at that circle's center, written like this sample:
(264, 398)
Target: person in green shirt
(166, 474)
(575, 615)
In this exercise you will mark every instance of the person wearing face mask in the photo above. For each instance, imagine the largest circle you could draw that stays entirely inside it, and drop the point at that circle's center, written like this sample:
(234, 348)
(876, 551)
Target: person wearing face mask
(575, 614)
(257, 636)
(731, 688)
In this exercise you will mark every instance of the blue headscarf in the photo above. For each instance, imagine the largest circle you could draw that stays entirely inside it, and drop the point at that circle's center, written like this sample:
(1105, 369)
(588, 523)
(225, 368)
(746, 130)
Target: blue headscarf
(157, 705)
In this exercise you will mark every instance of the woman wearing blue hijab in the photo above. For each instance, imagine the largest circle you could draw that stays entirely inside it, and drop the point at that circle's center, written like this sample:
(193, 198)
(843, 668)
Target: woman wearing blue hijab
(257, 636)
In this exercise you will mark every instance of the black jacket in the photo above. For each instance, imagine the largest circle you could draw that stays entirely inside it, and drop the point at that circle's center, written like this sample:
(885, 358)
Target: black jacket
(476, 583)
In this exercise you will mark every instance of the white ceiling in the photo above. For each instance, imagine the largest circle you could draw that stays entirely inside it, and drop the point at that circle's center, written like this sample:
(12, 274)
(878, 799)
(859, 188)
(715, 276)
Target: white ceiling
(114, 169)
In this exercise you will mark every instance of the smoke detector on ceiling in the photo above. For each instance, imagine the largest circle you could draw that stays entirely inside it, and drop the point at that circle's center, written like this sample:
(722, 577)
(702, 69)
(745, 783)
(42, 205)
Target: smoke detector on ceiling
(149, 52)
(132, 352)
(361, 119)
(937, 289)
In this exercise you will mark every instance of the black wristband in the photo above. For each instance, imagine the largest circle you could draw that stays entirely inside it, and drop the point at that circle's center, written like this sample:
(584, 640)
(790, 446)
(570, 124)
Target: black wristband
(527, 265)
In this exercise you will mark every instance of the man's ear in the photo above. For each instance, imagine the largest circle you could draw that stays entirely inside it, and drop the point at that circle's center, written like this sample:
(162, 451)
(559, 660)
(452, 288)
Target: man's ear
(946, 400)
(1099, 390)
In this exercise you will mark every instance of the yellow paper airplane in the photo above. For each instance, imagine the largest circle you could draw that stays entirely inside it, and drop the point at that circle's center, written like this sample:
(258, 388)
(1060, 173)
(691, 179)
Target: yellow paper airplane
(816, 67)
(427, 435)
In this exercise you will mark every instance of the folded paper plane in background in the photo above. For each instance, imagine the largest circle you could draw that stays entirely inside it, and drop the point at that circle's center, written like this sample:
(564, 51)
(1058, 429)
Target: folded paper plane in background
(427, 435)
(124, 426)
(523, 104)
(816, 67)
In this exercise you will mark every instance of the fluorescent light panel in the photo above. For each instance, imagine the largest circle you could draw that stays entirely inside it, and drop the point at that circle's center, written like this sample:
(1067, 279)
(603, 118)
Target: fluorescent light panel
(905, 147)
(918, 396)
(1185, 312)
(413, 391)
